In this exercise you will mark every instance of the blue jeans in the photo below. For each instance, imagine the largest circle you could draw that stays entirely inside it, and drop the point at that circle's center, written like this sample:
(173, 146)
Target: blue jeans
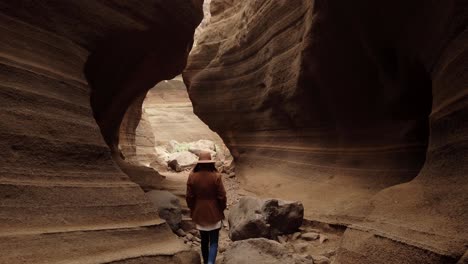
(209, 245)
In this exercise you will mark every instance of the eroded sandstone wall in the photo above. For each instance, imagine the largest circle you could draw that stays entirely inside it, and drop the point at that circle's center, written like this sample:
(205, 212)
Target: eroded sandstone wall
(333, 103)
(57, 176)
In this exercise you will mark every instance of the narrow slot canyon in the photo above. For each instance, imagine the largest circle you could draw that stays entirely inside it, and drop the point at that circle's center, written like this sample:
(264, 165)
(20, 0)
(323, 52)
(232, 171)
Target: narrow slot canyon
(339, 130)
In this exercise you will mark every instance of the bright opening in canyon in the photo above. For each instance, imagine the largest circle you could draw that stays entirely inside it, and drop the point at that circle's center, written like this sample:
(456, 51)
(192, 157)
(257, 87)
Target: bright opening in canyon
(169, 136)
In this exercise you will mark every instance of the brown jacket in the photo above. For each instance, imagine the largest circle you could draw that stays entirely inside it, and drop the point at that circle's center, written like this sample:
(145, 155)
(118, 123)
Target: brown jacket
(206, 197)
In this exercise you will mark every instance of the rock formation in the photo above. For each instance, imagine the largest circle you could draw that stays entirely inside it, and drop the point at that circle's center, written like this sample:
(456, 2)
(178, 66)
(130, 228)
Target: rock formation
(205, 21)
(137, 142)
(356, 108)
(253, 218)
(63, 199)
(168, 207)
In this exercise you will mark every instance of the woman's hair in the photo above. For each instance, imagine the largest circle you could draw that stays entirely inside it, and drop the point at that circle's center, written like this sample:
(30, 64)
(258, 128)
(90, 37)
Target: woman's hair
(205, 167)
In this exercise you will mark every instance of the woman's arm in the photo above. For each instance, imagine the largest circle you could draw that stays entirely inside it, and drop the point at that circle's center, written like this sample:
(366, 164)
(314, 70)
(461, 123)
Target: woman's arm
(221, 193)
(190, 196)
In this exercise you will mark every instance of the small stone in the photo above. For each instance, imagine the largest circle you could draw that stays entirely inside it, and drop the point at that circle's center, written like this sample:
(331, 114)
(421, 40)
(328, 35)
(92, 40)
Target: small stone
(196, 239)
(189, 236)
(282, 239)
(231, 175)
(310, 236)
(194, 232)
(180, 232)
(321, 260)
(295, 236)
(323, 238)
(221, 249)
(187, 224)
(196, 244)
(303, 259)
(330, 253)
(301, 247)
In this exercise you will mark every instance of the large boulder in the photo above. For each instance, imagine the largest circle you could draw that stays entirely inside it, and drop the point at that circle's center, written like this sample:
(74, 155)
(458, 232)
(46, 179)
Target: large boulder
(172, 146)
(167, 206)
(253, 217)
(260, 251)
(160, 162)
(180, 161)
(203, 145)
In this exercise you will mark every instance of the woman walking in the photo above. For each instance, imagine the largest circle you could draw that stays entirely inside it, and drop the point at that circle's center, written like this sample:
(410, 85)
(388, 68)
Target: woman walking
(206, 199)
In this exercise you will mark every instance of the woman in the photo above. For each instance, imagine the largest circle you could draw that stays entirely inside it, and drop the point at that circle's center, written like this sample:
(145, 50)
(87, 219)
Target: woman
(206, 199)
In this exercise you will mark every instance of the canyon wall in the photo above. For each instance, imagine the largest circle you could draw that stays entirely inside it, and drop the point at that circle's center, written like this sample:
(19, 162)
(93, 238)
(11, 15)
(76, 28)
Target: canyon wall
(63, 199)
(356, 108)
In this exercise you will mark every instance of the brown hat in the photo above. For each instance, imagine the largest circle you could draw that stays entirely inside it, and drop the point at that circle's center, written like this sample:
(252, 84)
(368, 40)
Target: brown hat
(205, 157)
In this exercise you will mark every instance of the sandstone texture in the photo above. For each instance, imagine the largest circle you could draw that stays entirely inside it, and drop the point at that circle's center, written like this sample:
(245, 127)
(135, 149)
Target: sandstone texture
(168, 207)
(261, 251)
(356, 108)
(63, 66)
(253, 217)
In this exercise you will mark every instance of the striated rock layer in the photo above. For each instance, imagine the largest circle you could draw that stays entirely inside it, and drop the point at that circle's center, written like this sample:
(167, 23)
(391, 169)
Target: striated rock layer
(356, 108)
(57, 176)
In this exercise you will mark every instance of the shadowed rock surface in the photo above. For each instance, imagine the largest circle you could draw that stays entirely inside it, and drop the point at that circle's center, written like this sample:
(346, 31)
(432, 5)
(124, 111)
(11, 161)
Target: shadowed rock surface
(168, 207)
(356, 108)
(63, 199)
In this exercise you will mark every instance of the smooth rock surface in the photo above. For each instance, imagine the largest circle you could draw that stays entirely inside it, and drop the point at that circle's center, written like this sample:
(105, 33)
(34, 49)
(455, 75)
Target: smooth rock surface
(180, 161)
(168, 207)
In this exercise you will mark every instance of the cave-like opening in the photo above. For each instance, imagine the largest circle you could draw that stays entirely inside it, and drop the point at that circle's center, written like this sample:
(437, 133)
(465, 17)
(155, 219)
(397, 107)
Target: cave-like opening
(161, 132)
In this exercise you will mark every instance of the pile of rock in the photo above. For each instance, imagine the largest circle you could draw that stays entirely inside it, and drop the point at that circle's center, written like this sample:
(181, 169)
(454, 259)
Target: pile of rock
(191, 237)
(182, 156)
(271, 231)
(261, 251)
